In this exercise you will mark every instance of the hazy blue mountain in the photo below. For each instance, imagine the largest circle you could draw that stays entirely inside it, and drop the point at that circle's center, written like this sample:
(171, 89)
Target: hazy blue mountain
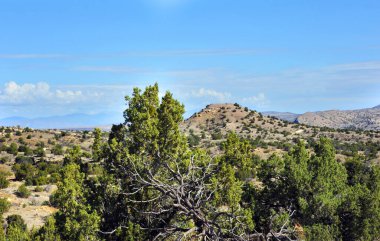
(364, 119)
(288, 116)
(72, 121)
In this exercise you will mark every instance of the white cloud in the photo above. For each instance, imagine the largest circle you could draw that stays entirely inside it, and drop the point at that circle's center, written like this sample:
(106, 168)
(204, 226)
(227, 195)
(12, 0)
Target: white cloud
(213, 94)
(28, 93)
(371, 65)
(259, 100)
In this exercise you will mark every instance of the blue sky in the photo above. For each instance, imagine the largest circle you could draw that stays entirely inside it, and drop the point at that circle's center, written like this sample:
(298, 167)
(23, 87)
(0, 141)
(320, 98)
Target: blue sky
(63, 57)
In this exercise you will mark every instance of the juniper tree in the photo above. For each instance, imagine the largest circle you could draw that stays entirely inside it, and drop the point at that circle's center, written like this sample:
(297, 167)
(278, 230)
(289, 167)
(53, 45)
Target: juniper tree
(168, 190)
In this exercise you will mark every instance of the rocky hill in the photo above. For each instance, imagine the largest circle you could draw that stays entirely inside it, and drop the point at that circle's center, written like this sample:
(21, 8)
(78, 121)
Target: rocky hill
(208, 127)
(366, 119)
(218, 119)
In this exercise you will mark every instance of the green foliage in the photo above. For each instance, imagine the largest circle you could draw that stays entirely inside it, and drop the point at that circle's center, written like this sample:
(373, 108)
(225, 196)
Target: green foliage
(16, 229)
(24, 159)
(239, 153)
(4, 205)
(39, 152)
(2, 234)
(48, 232)
(74, 220)
(193, 139)
(142, 120)
(217, 135)
(74, 156)
(39, 174)
(4, 159)
(153, 147)
(97, 145)
(13, 149)
(16, 220)
(16, 233)
(57, 150)
(23, 191)
(4, 183)
(148, 181)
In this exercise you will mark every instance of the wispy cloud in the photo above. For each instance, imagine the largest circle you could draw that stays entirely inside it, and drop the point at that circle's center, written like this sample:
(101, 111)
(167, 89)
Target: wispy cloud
(155, 73)
(32, 56)
(371, 65)
(111, 69)
(193, 52)
(258, 100)
(212, 94)
(142, 54)
(41, 93)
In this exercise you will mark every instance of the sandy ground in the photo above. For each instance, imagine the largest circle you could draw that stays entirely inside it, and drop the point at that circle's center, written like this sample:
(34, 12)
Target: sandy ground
(31, 209)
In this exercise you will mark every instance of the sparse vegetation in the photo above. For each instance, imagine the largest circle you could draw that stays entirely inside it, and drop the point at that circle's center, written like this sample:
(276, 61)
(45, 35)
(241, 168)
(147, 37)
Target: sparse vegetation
(23, 191)
(253, 177)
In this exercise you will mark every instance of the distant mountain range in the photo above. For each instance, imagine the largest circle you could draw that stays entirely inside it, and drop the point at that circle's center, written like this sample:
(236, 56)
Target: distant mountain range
(288, 116)
(72, 121)
(365, 119)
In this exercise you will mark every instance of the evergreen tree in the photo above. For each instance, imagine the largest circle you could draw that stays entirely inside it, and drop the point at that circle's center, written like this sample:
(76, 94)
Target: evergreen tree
(75, 220)
(97, 145)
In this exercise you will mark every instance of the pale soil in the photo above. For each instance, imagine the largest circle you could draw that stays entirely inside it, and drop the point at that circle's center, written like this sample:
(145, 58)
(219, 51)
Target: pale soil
(31, 209)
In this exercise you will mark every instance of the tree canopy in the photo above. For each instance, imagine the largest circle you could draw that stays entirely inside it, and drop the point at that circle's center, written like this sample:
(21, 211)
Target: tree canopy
(151, 185)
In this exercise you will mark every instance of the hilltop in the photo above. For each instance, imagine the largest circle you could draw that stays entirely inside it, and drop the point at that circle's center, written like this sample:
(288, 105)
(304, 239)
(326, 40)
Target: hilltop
(210, 125)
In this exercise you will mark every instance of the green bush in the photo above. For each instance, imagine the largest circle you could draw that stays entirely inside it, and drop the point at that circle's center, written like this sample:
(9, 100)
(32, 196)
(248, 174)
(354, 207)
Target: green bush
(16, 221)
(4, 205)
(13, 149)
(4, 183)
(27, 151)
(4, 159)
(57, 150)
(38, 189)
(23, 191)
(24, 159)
(39, 152)
(40, 174)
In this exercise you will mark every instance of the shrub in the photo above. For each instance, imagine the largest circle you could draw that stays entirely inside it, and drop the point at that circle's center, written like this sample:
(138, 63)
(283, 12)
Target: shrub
(23, 191)
(24, 159)
(27, 151)
(57, 150)
(13, 149)
(4, 205)
(193, 139)
(16, 221)
(38, 189)
(216, 135)
(40, 152)
(4, 159)
(24, 171)
(4, 183)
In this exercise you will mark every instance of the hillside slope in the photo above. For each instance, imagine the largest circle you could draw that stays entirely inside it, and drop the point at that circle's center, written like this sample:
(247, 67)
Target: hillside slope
(218, 119)
(366, 119)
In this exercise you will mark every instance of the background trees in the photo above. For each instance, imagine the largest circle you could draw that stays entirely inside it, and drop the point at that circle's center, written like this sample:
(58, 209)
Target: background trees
(149, 184)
